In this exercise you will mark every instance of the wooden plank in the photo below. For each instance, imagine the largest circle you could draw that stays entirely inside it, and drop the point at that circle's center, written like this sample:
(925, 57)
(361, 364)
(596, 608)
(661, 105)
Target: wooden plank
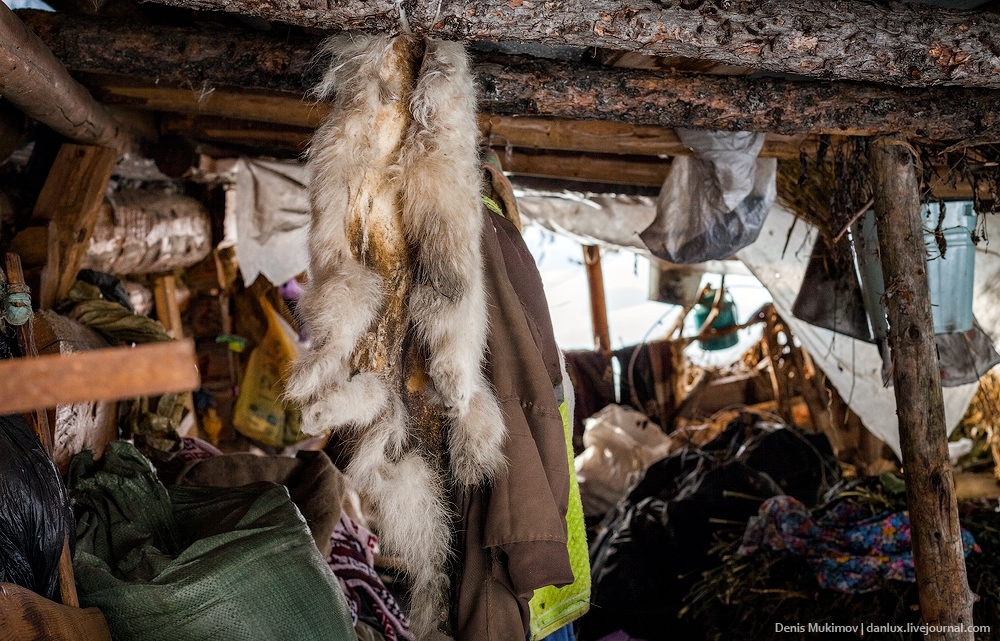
(70, 201)
(256, 105)
(608, 168)
(945, 598)
(521, 133)
(609, 137)
(102, 375)
(34, 80)
(167, 309)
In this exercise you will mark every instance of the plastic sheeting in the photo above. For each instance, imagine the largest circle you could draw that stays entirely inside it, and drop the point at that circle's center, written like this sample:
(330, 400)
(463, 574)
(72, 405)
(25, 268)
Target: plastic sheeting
(35, 509)
(272, 219)
(620, 444)
(852, 366)
(714, 202)
(591, 219)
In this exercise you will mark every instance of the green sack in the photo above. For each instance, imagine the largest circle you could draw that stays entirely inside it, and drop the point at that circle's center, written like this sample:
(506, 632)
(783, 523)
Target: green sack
(190, 563)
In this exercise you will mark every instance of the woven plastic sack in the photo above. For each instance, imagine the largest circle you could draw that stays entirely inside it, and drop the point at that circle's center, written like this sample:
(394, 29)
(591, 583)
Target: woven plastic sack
(144, 232)
(192, 563)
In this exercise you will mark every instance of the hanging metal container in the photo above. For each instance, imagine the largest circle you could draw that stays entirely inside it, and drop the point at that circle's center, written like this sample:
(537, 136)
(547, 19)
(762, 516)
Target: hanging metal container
(950, 276)
(725, 319)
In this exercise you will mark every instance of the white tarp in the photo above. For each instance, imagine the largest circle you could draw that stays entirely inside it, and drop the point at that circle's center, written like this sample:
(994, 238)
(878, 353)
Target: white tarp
(272, 219)
(853, 366)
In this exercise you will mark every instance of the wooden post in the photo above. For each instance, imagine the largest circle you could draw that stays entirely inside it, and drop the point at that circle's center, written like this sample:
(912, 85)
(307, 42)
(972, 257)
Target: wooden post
(945, 598)
(779, 364)
(598, 304)
(41, 427)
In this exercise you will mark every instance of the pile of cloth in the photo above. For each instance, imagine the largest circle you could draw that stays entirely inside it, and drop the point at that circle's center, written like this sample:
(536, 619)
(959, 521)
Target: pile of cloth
(843, 561)
(652, 548)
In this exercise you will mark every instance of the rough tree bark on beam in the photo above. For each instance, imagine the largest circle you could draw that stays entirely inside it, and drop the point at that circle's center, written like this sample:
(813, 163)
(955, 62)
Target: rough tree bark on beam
(509, 85)
(894, 43)
(34, 81)
(945, 598)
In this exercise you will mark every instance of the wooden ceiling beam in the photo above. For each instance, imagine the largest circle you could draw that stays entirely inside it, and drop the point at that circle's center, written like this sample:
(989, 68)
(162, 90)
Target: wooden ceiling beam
(37, 83)
(285, 118)
(907, 45)
(206, 61)
(645, 173)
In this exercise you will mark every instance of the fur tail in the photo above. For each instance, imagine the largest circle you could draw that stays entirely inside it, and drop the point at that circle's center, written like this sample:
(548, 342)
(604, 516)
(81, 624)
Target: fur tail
(414, 522)
(442, 219)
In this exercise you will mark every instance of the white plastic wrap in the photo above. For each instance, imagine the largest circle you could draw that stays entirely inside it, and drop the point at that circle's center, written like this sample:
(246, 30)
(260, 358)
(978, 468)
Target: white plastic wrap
(715, 201)
(142, 232)
(620, 444)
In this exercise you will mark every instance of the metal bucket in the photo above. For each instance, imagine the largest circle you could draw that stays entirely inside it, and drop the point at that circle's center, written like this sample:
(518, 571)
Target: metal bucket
(725, 319)
(950, 276)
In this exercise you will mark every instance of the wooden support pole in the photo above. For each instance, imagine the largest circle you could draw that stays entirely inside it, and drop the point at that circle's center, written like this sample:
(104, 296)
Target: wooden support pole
(598, 304)
(945, 598)
(167, 308)
(40, 425)
(779, 365)
(34, 81)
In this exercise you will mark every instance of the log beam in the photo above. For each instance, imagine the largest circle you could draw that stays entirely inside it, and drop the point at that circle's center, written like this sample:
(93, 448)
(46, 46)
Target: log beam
(192, 66)
(906, 45)
(945, 598)
(34, 81)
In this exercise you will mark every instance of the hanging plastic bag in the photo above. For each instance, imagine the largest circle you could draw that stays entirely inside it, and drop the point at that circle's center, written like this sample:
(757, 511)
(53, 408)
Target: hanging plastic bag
(715, 201)
(262, 411)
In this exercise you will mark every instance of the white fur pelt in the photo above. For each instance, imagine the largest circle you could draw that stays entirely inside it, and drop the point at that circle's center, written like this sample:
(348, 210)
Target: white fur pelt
(375, 153)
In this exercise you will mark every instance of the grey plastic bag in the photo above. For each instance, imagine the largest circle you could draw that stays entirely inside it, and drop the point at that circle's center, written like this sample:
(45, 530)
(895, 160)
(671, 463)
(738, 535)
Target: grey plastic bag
(715, 201)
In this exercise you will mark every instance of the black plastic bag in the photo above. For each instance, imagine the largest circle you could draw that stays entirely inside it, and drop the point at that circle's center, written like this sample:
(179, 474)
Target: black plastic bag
(35, 515)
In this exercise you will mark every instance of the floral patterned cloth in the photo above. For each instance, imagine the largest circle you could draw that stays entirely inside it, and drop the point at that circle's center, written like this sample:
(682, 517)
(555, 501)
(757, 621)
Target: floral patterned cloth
(848, 550)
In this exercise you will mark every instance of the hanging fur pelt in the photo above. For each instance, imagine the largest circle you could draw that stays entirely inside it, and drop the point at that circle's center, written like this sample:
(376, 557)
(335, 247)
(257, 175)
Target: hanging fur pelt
(395, 253)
